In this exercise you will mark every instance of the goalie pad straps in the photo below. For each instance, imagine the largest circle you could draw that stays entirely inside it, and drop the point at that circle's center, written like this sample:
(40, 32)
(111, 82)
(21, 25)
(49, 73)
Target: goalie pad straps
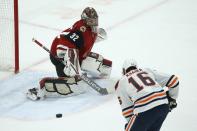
(61, 85)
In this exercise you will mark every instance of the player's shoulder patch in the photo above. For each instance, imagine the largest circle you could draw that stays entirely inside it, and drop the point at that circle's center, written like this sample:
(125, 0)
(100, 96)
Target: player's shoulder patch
(82, 28)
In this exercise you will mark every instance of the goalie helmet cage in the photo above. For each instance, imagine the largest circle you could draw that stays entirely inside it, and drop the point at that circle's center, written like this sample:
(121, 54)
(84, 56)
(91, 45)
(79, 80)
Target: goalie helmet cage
(9, 36)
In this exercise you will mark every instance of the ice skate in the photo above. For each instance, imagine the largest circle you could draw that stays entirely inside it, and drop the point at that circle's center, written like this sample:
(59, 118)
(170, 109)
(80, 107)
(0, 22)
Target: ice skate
(33, 94)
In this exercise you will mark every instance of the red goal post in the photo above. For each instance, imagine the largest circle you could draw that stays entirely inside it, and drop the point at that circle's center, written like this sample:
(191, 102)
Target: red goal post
(9, 36)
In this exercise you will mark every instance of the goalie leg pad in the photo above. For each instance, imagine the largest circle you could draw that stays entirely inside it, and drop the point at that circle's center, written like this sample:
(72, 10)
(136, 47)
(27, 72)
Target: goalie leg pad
(71, 61)
(70, 65)
(96, 65)
(60, 86)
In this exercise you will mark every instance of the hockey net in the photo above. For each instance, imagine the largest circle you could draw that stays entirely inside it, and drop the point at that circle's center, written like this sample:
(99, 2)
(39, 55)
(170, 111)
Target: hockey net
(9, 55)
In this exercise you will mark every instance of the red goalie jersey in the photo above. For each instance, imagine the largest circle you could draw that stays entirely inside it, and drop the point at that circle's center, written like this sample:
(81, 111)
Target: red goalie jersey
(79, 37)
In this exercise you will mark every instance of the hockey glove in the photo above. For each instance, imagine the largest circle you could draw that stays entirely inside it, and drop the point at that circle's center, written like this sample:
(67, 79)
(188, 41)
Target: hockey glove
(171, 102)
(102, 33)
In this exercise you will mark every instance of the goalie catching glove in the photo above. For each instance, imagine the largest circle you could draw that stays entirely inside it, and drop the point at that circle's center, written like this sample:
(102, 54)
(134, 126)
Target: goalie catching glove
(102, 35)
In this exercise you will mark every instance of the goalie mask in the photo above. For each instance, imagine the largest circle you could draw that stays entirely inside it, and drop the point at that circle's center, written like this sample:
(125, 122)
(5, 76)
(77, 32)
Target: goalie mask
(89, 15)
(129, 64)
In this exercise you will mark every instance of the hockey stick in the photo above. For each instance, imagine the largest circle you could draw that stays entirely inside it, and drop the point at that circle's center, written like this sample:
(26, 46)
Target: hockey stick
(91, 83)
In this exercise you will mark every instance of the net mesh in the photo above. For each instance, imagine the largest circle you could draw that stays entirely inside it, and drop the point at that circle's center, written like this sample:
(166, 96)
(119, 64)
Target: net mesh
(7, 45)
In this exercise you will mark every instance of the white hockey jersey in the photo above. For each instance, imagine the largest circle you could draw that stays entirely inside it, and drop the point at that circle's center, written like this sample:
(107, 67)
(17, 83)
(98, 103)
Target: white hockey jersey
(140, 90)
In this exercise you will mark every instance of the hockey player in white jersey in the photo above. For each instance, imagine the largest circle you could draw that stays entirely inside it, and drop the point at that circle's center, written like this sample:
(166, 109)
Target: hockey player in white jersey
(146, 96)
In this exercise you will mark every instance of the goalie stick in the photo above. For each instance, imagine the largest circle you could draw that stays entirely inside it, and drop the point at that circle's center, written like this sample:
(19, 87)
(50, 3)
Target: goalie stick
(91, 83)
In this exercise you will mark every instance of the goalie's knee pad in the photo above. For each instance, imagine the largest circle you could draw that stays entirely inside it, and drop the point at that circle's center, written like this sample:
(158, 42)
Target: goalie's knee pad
(96, 65)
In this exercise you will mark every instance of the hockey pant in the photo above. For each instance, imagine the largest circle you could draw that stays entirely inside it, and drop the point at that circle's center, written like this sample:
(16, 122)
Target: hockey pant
(150, 120)
(62, 86)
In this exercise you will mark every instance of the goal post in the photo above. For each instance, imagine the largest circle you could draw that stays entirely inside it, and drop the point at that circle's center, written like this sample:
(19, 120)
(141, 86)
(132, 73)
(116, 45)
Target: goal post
(9, 36)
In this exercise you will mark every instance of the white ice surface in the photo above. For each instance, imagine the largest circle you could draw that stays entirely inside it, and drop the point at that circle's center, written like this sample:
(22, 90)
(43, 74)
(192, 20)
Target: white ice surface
(160, 34)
